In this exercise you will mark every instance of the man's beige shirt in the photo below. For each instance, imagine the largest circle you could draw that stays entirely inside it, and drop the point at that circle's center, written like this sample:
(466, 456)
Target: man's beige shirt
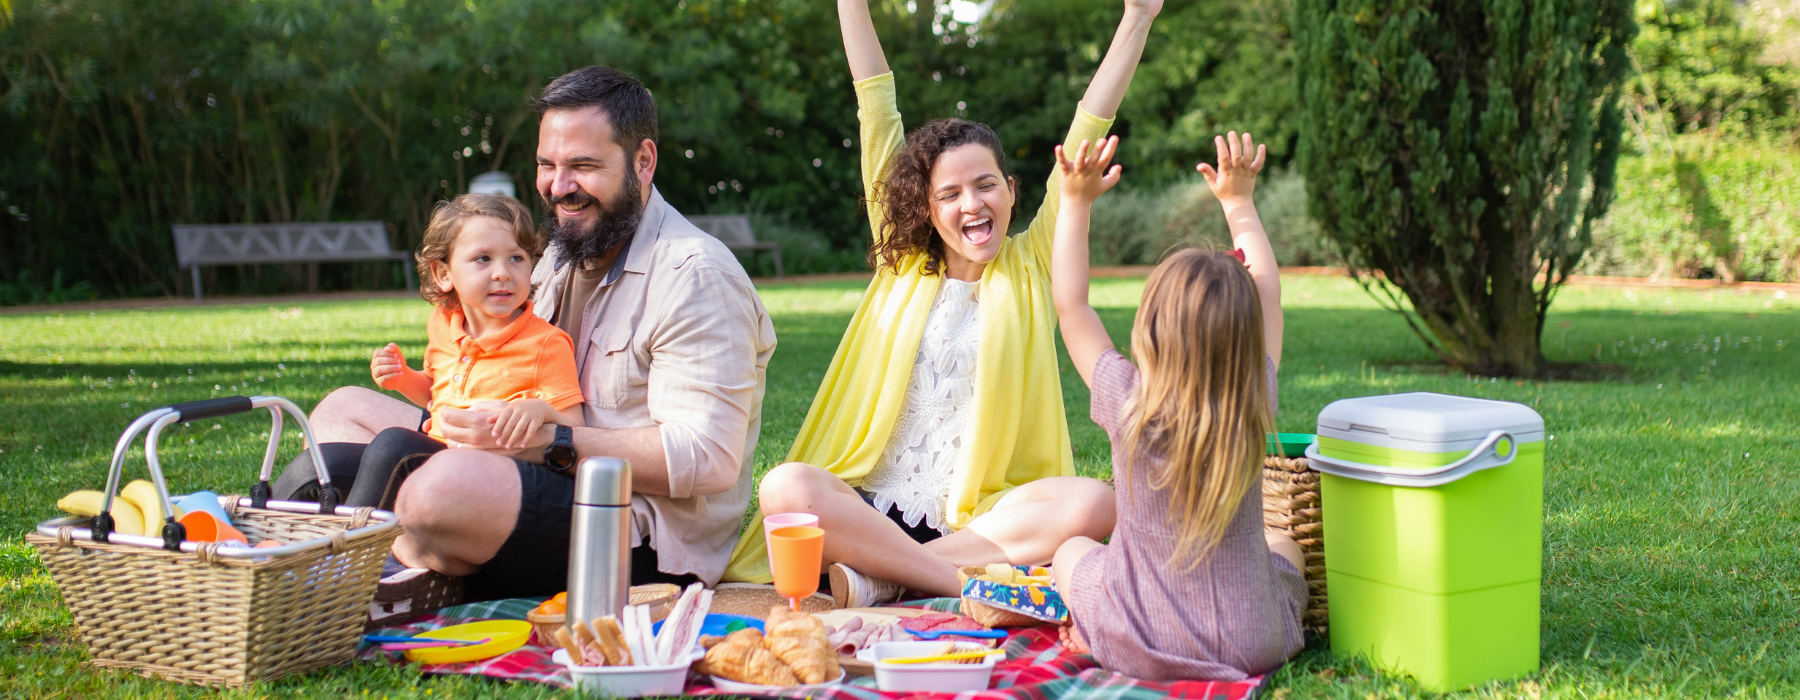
(674, 338)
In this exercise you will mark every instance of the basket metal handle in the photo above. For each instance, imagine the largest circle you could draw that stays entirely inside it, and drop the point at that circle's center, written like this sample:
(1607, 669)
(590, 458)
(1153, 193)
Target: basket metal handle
(154, 421)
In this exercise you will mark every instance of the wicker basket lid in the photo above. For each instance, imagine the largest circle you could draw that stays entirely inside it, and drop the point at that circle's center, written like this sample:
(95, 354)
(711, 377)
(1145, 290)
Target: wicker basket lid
(755, 600)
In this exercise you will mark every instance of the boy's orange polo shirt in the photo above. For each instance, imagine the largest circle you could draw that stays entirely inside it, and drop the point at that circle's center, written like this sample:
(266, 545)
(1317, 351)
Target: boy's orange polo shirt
(528, 359)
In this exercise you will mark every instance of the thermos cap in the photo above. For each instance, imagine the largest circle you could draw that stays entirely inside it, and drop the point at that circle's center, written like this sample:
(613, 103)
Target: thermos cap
(603, 481)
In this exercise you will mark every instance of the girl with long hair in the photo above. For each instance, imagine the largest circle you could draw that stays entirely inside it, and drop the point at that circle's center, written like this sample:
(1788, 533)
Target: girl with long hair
(1190, 585)
(938, 437)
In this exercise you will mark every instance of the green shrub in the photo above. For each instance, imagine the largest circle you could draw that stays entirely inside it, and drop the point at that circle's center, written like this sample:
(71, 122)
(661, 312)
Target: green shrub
(1712, 209)
(1138, 225)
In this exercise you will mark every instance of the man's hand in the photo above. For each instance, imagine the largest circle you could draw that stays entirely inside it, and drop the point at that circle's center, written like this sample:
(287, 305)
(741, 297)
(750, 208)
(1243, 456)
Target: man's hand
(1235, 178)
(473, 428)
(387, 366)
(1087, 177)
(518, 420)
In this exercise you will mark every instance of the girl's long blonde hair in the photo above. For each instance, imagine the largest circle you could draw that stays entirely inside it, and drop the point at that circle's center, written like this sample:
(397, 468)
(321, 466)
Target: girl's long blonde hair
(1203, 401)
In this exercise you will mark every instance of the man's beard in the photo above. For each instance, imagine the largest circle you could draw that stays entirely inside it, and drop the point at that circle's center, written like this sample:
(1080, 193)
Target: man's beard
(616, 223)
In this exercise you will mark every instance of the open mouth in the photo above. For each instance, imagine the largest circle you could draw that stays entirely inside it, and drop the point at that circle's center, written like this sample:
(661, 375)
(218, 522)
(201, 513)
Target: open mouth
(979, 231)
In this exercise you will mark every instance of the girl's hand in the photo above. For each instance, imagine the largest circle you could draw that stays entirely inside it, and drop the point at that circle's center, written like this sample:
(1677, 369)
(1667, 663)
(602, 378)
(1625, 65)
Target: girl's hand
(387, 365)
(519, 420)
(1087, 176)
(1148, 7)
(1235, 177)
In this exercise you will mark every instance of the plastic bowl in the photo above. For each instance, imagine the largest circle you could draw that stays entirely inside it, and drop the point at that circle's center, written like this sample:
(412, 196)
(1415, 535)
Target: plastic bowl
(731, 686)
(626, 681)
(931, 678)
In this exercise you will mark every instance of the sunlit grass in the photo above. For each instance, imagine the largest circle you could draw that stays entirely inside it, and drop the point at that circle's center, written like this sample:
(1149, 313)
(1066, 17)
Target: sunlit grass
(1671, 564)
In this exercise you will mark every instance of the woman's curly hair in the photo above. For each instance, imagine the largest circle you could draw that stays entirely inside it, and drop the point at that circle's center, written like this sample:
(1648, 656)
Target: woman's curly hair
(906, 193)
(447, 221)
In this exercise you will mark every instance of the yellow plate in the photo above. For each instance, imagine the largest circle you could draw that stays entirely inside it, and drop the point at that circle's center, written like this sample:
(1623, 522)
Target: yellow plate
(502, 635)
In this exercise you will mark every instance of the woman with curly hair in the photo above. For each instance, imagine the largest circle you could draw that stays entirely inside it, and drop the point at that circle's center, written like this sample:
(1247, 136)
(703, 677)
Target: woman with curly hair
(938, 438)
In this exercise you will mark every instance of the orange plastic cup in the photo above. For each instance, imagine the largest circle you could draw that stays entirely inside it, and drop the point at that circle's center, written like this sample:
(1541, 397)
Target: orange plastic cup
(796, 554)
(205, 527)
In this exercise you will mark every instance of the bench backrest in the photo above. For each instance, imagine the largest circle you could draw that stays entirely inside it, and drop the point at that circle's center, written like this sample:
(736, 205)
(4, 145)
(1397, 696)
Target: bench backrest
(729, 229)
(212, 244)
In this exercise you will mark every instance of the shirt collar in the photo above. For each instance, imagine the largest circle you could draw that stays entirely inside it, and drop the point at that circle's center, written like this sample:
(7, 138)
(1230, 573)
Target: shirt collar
(649, 227)
(492, 341)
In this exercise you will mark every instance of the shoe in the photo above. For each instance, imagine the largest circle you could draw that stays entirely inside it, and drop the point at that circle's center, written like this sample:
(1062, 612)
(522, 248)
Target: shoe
(850, 589)
(409, 593)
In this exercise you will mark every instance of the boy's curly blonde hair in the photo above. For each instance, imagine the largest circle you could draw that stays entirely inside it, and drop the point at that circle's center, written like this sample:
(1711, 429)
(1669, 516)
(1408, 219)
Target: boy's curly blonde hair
(447, 221)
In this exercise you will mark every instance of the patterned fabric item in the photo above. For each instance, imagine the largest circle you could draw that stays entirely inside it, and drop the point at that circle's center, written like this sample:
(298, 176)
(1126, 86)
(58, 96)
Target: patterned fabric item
(1036, 666)
(914, 471)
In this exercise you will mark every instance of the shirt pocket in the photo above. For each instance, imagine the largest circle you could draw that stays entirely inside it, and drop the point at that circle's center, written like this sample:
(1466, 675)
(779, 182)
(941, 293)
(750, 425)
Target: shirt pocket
(612, 366)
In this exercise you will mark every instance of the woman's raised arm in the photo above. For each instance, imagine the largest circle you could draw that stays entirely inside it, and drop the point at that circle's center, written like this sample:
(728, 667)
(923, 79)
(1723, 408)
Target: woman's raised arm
(1108, 87)
(860, 43)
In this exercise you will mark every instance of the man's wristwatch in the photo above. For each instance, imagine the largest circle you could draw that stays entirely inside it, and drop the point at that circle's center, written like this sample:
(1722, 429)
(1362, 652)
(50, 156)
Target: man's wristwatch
(559, 455)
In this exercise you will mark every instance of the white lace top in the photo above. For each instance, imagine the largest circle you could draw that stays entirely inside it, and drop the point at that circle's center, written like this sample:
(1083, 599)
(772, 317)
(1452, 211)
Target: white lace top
(914, 471)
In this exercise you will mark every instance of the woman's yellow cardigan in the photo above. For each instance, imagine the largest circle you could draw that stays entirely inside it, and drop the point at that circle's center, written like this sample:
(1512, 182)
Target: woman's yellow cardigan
(1018, 431)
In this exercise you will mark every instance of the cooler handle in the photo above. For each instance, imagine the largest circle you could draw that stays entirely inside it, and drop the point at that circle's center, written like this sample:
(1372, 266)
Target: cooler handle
(1485, 456)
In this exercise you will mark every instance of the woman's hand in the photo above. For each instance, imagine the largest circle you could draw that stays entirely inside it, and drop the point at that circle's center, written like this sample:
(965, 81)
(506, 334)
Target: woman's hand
(1235, 178)
(1087, 177)
(387, 365)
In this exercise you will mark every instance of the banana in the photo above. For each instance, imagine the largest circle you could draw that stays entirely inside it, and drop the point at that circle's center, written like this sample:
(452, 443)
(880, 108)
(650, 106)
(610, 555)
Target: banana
(127, 518)
(143, 494)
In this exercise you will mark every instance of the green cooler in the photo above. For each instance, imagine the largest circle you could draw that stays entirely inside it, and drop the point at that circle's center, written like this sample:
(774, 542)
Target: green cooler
(1433, 511)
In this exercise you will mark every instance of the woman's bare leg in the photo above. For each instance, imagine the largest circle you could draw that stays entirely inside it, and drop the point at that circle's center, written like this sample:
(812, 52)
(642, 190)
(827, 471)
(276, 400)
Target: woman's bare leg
(856, 535)
(1031, 521)
(1025, 527)
(356, 414)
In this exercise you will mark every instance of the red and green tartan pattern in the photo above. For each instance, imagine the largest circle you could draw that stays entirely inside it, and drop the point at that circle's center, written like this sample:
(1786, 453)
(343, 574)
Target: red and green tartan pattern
(1037, 667)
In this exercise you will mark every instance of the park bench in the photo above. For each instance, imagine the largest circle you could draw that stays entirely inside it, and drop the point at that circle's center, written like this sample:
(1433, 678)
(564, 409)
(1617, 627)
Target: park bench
(312, 243)
(735, 233)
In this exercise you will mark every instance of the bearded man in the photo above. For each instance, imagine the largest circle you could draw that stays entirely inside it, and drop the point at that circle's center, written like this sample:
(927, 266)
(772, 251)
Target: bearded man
(671, 342)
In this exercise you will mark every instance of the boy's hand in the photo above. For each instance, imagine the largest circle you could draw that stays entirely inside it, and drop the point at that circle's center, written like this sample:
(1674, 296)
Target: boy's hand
(1235, 177)
(387, 365)
(1087, 176)
(519, 420)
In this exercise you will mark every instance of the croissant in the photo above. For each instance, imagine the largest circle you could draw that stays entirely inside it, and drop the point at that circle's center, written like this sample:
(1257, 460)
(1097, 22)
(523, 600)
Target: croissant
(742, 658)
(800, 641)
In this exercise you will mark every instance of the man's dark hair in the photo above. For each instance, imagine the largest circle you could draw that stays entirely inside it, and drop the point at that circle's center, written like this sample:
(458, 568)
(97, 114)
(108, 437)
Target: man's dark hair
(626, 103)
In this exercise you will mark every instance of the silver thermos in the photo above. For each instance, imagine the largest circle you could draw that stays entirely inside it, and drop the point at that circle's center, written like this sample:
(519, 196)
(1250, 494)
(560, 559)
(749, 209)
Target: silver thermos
(600, 539)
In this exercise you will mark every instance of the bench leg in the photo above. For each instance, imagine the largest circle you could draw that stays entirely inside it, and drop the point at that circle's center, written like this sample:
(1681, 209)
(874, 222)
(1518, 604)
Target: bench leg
(777, 253)
(196, 270)
(411, 284)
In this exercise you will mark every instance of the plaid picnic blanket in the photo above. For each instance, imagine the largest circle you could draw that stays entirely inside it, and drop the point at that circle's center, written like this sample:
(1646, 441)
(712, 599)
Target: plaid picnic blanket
(1037, 667)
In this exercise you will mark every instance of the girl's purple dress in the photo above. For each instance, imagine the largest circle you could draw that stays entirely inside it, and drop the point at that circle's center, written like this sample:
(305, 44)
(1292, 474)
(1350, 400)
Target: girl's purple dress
(1234, 615)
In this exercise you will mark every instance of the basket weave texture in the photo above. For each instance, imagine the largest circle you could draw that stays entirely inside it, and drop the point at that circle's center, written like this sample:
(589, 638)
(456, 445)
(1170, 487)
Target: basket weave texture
(194, 617)
(1290, 489)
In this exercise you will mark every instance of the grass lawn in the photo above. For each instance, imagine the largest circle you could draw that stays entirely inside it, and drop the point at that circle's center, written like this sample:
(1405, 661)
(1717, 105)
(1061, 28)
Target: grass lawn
(1672, 516)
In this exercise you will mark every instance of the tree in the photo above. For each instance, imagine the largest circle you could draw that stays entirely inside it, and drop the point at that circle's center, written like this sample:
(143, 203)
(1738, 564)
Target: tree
(1458, 153)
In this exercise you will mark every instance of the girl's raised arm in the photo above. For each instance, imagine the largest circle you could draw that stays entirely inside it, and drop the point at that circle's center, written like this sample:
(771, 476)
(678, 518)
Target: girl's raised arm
(1233, 183)
(1107, 89)
(1085, 177)
(860, 43)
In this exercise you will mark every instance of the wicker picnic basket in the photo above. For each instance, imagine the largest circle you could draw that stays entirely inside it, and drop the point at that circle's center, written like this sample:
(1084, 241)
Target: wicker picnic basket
(1290, 489)
(198, 612)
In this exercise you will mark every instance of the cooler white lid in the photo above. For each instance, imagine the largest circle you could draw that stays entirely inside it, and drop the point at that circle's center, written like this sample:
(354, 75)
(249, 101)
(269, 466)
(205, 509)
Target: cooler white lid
(1428, 417)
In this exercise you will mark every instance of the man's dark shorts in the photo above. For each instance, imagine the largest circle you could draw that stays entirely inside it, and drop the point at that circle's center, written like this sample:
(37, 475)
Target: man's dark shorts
(534, 561)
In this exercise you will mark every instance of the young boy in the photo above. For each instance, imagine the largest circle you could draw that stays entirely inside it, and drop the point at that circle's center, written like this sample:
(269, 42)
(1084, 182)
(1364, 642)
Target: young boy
(484, 347)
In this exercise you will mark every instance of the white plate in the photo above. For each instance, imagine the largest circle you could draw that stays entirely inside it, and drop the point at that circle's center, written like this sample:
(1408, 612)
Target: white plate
(627, 681)
(731, 686)
(937, 677)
